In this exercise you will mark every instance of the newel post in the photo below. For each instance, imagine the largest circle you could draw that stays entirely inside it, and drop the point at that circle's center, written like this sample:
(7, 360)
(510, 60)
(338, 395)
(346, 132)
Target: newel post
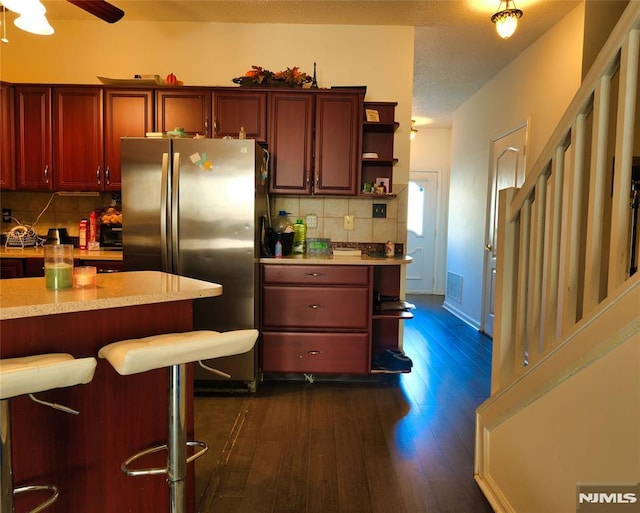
(504, 338)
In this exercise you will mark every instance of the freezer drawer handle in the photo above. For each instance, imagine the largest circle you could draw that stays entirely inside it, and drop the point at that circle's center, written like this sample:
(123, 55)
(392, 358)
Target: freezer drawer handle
(314, 307)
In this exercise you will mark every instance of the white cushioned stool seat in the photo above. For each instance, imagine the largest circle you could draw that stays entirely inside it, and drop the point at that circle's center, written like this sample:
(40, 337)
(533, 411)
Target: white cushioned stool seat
(158, 351)
(31, 374)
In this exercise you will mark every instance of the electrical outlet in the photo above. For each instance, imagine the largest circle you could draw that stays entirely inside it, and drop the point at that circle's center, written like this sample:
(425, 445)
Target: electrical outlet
(6, 215)
(312, 221)
(348, 222)
(379, 210)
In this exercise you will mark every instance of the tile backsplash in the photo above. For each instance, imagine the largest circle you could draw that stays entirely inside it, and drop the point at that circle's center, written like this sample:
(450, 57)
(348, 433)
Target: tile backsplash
(31, 208)
(66, 212)
(331, 211)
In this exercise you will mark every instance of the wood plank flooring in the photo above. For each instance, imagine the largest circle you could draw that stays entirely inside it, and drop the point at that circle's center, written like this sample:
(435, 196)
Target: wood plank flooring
(401, 445)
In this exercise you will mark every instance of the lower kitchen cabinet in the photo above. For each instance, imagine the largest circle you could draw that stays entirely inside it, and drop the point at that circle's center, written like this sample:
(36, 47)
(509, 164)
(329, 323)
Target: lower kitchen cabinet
(322, 319)
(11, 268)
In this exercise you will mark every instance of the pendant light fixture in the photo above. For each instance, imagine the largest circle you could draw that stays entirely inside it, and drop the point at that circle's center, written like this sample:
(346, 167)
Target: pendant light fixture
(506, 19)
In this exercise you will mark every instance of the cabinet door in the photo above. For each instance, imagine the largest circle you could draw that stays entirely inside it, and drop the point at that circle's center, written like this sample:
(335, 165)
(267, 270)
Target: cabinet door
(127, 113)
(11, 268)
(338, 141)
(7, 140)
(235, 109)
(189, 109)
(77, 136)
(291, 142)
(34, 163)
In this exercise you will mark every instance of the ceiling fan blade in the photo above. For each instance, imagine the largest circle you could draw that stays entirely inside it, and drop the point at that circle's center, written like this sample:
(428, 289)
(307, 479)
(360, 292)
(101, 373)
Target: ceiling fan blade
(100, 8)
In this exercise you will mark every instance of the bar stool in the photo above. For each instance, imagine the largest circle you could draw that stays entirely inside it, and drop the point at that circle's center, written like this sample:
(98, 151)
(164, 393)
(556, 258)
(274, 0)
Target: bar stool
(174, 350)
(28, 375)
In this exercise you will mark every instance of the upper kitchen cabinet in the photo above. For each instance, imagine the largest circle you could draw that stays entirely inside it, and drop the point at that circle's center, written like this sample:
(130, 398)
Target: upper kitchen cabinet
(378, 134)
(34, 149)
(127, 113)
(291, 142)
(186, 108)
(314, 139)
(337, 143)
(235, 108)
(7, 138)
(78, 139)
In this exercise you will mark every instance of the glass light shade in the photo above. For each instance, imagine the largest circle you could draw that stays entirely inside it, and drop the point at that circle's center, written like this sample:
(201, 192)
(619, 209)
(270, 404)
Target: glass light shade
(506, 25)
(34, 23)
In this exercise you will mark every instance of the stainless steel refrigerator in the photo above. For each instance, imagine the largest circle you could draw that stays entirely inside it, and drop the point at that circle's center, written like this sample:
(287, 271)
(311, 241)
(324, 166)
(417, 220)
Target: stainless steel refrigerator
(194, 207)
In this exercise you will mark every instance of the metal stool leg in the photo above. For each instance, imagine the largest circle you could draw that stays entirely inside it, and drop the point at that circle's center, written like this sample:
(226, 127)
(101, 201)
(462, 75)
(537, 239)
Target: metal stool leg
(177, 442)
(6, 476)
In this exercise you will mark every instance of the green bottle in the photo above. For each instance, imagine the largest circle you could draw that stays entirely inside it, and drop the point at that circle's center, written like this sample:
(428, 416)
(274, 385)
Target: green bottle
(299, 237)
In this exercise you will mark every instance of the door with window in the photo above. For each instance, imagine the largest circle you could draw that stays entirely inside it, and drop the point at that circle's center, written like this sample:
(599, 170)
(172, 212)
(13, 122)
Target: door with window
(421, 232)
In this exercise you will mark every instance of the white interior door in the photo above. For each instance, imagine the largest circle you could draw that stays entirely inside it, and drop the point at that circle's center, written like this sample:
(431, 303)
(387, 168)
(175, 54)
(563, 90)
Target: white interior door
(421, 232)
(507, 170)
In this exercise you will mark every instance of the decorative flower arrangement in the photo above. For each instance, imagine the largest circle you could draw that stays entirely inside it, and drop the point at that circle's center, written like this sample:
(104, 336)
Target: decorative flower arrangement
(257, 76)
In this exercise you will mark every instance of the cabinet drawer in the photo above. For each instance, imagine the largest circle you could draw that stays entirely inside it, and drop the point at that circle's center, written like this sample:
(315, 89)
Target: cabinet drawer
(328, 353)
(317, 274)
(316, 307)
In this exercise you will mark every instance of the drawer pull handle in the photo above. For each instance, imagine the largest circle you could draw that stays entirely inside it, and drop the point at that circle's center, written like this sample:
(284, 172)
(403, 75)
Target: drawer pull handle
(314, 307)
(315, 275)
(314, 352)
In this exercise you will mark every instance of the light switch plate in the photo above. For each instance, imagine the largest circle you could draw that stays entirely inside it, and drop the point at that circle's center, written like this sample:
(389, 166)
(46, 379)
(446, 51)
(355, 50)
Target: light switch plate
(312, 221)
(348, 222)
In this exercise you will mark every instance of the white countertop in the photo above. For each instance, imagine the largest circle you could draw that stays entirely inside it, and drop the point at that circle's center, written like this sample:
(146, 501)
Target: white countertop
(28, 297)
(81, 254)
(337, 260)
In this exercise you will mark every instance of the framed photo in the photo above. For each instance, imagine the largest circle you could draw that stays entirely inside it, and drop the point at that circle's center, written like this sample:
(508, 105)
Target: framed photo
(372, 115)
(383, 182)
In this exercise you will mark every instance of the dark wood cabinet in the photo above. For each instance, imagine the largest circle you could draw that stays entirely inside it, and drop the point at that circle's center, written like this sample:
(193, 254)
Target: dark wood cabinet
(315, 139)
(78, 139)
(291, 142)
(337, 143)
(316, 319)
(7, 138)
(11, 268)
(235, 108)
(324, 319)
(127, 113)
(189, 109)
(34, 149)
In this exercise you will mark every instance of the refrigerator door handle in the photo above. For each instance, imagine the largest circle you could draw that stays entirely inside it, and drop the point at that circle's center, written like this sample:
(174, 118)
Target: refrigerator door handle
(164, 206)
(175, 194)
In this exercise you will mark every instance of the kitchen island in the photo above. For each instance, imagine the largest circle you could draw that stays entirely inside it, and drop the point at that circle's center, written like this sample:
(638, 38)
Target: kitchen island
(119, 415)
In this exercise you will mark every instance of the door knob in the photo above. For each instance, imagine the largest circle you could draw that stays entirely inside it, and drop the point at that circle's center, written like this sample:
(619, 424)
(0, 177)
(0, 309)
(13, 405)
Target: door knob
(488, 247)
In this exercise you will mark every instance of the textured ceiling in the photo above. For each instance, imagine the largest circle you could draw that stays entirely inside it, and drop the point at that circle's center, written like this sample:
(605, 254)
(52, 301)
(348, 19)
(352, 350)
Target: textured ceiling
(456, 47)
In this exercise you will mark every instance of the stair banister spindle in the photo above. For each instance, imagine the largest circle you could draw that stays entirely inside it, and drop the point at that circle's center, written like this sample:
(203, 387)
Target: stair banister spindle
(594, 284)
(537, 307)
(552, 269)
(522, 320)
(620, 214)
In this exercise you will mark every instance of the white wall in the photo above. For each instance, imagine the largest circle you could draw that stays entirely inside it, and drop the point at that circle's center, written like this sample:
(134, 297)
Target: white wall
(431, 151)
(537, 86)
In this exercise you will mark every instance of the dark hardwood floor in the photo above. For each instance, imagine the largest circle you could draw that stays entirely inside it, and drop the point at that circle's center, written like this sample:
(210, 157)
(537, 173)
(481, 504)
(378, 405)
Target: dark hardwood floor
(401, 445)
